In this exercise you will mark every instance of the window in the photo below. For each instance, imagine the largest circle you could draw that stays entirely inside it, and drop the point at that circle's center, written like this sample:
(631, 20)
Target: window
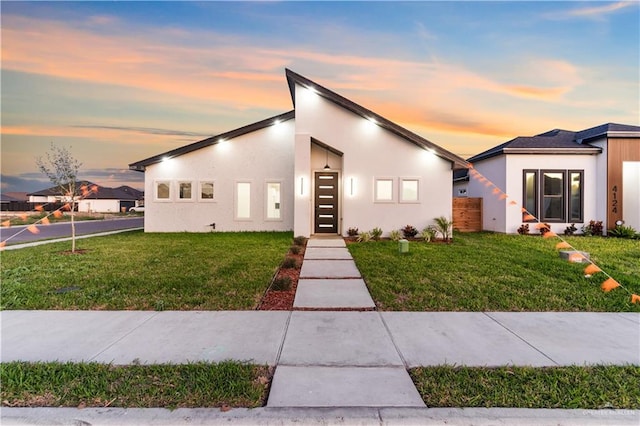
(554, 195)
(409, 190)
(274, 201)
(575, 196)
(206, 191)
(185, 190)
(243, 200)
(163, 190)
(383, 190)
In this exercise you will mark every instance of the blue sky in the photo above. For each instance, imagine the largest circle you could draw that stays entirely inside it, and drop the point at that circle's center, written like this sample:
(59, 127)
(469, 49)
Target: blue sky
(121, 81)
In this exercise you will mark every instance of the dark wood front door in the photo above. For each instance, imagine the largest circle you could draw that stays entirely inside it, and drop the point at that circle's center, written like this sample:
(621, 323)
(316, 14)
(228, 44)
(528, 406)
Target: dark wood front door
(326, 203)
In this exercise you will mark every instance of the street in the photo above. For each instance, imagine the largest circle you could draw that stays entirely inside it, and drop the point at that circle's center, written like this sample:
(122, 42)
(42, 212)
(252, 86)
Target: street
(19, 234)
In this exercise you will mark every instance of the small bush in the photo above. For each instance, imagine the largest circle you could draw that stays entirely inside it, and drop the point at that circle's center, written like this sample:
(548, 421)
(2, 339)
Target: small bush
(281, 284)
(428, 234)
(544, 228)
(299, 240)
(524, 229)
(352, 232)
(376, 233)
(594, 228)
(570, 230)
(289, 263)
(409, 231)
(443, 226)
(294, 249)
(364, 237)
(621, 231)
(394, 235)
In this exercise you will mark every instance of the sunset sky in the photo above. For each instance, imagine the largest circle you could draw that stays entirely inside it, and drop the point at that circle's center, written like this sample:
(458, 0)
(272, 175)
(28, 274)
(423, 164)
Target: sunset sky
(118, 82)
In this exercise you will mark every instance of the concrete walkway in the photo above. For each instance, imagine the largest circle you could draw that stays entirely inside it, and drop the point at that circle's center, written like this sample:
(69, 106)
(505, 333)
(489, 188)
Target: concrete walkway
(332, 350)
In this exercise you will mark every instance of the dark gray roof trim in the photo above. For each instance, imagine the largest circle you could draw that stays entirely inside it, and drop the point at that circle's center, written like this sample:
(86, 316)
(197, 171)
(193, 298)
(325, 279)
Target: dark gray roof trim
(609, 130)
(141, 165)
(294, 78)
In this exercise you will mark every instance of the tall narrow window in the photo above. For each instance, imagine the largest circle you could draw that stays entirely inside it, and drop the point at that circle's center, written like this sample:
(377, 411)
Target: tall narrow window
(553, 201)
(185, 190)
(575, 196)
(243, 200)
(383, 190)
(530, 195)
(163, 190)
(409, 190)
(273, 201)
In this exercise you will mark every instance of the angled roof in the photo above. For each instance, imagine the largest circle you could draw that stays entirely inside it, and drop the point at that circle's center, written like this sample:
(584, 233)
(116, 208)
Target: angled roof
(141, 165)
(294, 78)
(103, 192)
(55, 190)
(14, 196)
(610, 130)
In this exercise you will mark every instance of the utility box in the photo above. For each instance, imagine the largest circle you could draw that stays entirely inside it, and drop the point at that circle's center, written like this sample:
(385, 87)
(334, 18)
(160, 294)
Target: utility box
(403, 246)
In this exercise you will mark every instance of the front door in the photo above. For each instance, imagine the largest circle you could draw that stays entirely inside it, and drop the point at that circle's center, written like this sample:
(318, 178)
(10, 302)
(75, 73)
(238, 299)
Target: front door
(326, 203)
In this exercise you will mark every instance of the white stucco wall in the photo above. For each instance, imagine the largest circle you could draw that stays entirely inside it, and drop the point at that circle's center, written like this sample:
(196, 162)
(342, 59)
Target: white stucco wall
(368, 152)
(266, 155)
(493, 209)
(601, 183)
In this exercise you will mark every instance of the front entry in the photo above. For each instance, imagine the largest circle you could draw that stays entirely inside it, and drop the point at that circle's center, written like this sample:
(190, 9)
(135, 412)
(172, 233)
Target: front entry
(326, 203)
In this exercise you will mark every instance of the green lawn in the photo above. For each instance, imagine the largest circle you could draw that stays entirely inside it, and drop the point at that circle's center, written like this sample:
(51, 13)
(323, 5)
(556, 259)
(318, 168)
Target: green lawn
(138, 271)
(56, 384)
(497, 272)
(594, 387)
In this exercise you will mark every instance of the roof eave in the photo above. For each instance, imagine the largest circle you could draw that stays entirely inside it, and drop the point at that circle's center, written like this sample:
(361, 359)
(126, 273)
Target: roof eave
(557, 151)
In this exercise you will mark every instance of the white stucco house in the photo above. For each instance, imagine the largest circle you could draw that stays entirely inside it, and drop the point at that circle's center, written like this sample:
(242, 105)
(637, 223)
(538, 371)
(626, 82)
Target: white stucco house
(561, 177)
(322, 168)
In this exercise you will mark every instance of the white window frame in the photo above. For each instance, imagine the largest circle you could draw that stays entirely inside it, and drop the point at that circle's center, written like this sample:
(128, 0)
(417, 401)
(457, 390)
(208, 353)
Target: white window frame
(266, 200)
(235, 200)
(376, 199)
(401, 181)
(207, 200)
(155, 190)
(179, 182)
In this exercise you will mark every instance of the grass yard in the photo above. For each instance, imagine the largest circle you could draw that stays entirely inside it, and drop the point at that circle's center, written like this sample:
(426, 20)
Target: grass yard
(497, 272)
(55, 384)
(594, 387)
(138, 271)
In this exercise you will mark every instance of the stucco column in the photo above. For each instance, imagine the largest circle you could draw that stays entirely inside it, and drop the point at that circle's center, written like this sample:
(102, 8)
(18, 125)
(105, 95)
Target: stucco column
(302, 185)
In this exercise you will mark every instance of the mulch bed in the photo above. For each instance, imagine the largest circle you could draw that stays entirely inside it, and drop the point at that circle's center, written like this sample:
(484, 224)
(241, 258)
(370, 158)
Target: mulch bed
(274, 300)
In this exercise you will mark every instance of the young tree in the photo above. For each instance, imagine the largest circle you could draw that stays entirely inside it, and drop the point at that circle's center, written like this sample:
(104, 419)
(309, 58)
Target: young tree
(62, 170)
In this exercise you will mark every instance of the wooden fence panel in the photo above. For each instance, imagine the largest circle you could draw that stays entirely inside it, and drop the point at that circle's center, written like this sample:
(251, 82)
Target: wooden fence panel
(467, 214)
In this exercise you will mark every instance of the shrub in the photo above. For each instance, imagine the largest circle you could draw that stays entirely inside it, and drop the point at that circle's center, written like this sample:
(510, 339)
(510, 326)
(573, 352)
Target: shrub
(299, 240)
(428, 234)
(376, 233)
(352, 232)
(594, 228)
(364, 237)
(524, 229)
(409, 231)
(294, 249)
(544, 228)
(443, 226)
(281, 284)
(289, 263)
(570, 230)
(621, 231)
(394, 235)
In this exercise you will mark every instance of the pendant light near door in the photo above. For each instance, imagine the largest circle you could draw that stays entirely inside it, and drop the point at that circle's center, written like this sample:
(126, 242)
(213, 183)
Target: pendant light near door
(326, 164)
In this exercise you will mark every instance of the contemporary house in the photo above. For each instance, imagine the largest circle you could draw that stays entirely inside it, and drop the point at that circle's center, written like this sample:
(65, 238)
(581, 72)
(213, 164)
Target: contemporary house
(561, 177)
(324, 167)
(104, 200)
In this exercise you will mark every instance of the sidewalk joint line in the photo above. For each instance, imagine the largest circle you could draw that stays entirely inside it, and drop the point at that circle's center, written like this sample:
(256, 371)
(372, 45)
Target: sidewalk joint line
(395, 346)
(521, 338)
(123, 336)
(284, 337)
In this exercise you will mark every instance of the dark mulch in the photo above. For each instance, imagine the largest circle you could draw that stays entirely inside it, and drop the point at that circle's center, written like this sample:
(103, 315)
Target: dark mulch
(283, 300)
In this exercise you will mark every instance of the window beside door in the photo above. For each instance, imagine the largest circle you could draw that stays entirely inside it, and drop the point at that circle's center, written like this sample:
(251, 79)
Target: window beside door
(553, 195)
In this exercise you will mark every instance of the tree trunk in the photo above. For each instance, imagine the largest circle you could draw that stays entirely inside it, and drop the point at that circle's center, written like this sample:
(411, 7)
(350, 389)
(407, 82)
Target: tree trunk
(73, 227)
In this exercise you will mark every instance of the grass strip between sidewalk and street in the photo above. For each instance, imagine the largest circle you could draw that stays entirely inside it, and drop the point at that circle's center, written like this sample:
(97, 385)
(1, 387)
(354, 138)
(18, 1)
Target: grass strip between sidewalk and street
(592, 387)
(230, 384)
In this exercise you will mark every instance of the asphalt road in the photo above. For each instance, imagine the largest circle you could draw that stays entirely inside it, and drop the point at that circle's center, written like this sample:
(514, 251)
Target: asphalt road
(19, 234)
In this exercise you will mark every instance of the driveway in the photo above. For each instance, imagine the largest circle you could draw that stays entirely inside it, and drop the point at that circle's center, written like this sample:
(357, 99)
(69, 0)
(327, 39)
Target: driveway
(18, 234)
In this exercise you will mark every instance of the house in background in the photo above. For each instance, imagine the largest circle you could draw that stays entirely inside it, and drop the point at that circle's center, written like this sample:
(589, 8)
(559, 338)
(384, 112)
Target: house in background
(104, 200)
(327, 166)
(561, 177)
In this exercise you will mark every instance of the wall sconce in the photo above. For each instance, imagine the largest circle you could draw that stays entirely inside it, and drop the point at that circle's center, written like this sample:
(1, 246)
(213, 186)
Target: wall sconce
(301, 186)
(351, 187)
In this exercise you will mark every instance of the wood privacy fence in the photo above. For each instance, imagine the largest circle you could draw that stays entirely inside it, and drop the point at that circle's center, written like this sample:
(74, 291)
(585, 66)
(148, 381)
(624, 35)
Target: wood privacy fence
(467, 214)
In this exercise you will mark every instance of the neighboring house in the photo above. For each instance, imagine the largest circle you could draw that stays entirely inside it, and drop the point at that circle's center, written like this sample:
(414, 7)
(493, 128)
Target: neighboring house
(104, 200)
(14, 201)
(561, 177)
(327, 166)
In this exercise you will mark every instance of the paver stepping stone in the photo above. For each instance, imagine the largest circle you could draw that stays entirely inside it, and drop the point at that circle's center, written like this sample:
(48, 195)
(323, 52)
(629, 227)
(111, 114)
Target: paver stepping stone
(323, 253)
(343, 387)
(332, 293)
(338, 339)
(326, 242)
(329, 269)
